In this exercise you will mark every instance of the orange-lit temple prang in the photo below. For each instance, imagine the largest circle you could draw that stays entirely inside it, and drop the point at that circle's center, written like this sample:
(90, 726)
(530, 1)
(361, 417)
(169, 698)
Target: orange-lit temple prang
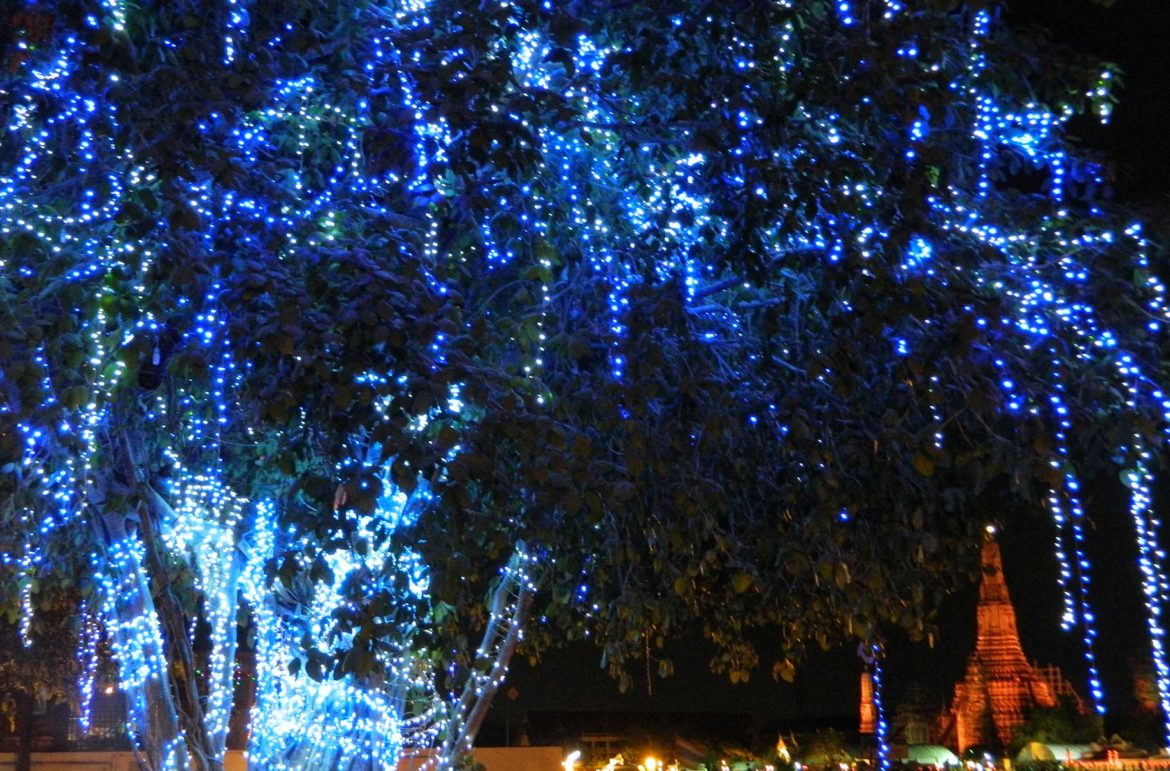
(868, 716)
(1000, 685)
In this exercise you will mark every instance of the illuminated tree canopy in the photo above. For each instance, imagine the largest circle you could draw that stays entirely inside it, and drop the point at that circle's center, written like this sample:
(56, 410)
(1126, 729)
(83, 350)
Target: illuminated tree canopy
(381, 339)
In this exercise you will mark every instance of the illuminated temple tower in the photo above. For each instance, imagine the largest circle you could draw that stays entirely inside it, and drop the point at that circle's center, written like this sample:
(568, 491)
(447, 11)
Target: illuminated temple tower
(868, 716)
(1000, 684)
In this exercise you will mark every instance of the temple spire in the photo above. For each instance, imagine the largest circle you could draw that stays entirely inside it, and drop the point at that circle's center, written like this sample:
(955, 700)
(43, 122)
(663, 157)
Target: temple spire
(1000, 685)
(997, 639)
(868, 716)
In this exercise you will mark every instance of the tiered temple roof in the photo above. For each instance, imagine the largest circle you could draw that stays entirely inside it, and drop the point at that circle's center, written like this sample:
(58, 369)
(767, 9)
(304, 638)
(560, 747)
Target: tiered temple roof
(1000, 684)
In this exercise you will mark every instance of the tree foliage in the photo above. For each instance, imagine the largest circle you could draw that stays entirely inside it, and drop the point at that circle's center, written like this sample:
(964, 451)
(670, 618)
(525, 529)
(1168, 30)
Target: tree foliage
(730, 312)
(1062, 724)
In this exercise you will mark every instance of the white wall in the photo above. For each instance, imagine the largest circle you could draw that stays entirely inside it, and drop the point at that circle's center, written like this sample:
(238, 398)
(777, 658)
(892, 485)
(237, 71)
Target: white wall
(494, 758)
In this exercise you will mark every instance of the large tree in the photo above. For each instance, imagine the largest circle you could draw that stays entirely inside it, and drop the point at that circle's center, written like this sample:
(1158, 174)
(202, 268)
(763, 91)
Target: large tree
(388, 334)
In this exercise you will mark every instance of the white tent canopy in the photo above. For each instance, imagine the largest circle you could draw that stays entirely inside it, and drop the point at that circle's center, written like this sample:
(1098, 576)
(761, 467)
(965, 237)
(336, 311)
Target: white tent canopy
(930, 755)
(1033, 751)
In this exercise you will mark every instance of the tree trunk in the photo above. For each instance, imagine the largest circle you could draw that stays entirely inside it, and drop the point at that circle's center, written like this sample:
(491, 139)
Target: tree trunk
(24, 748)
(151, 710)
(173, 623)
(185, 710)
(508, 611)
(243, 699)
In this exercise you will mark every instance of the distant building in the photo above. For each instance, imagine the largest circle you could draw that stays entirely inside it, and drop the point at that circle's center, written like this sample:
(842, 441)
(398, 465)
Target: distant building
(868, 708)
(1000, 685)
(915, 718)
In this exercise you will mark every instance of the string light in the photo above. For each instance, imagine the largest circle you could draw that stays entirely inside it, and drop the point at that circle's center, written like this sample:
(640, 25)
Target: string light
(88, 641)
(1151, 559)
(882, 732)
(1071, 515)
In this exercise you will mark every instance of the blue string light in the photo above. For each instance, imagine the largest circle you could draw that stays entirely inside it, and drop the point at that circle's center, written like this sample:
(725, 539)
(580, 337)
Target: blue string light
(1151, 561)
(883, 729)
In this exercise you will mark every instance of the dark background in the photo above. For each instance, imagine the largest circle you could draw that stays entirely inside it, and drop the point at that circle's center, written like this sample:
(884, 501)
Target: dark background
(1133, 34)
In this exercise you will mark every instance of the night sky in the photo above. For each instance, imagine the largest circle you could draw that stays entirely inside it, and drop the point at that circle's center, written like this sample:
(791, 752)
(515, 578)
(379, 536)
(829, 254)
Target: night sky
(1132, 34)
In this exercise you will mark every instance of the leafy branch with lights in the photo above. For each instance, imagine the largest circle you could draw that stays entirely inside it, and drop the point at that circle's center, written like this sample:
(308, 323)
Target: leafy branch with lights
(388, 339)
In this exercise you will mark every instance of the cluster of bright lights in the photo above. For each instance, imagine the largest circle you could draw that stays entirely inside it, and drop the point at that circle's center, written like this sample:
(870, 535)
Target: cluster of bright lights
(349, 721)
(207, 515)
(130, 623)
